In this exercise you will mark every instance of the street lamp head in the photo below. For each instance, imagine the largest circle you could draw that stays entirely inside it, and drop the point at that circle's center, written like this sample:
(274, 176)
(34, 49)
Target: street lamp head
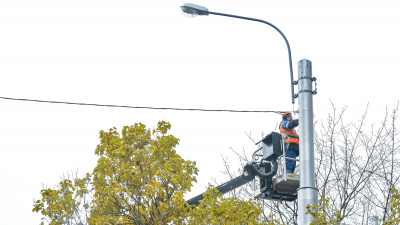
(191, 10)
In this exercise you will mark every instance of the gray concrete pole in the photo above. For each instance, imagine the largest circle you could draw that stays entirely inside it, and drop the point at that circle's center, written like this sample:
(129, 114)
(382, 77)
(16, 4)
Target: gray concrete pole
(307, 194)
(373, 220)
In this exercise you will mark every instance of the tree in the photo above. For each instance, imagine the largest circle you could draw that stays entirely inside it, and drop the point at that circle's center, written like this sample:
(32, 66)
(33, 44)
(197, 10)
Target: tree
(139, 179)
(214, 209)
(319, 215)
(392, 215)
(388, 175)
(67, 203)
(356, 166)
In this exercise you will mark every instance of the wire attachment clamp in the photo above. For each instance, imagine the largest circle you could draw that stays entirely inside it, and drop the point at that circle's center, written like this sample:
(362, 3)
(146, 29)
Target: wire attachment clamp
(314, 79)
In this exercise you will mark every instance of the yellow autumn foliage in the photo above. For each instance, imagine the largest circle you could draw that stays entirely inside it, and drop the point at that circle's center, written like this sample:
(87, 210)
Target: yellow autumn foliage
(215, 209)
(319, 215)
(394, 203)
(139, 179)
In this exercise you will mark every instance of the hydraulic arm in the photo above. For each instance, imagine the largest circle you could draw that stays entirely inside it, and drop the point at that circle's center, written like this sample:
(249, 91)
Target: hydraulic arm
(278, 188)
(246, 177)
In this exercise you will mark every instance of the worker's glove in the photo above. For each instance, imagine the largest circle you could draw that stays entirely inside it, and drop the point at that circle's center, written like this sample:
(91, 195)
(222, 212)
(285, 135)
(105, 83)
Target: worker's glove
(296, 122)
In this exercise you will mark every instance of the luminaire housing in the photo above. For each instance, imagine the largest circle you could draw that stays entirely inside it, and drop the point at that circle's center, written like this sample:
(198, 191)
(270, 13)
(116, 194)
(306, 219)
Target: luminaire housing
(191, 10)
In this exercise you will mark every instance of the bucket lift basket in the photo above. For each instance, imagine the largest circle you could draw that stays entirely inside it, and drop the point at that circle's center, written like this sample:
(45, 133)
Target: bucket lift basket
(283, 186)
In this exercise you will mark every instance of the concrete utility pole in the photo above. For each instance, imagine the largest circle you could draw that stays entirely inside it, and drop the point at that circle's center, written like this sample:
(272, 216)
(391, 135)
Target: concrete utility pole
(373, 220)
(307, 193)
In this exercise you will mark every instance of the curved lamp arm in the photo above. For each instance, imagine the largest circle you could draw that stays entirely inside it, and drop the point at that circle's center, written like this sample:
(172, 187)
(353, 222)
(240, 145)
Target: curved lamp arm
(191, 10)
(287, 43)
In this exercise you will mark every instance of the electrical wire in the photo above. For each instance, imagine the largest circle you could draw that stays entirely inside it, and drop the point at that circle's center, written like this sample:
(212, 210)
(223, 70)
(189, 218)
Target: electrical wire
(141, 107)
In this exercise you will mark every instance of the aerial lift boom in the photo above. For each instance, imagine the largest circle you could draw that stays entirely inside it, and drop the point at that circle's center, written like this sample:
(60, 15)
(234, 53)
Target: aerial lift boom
(273, 185)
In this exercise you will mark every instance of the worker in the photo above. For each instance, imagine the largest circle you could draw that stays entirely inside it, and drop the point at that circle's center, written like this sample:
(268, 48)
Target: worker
(287, 126)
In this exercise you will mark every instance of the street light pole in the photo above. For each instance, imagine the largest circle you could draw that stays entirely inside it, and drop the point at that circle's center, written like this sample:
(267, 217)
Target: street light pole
(307, 192)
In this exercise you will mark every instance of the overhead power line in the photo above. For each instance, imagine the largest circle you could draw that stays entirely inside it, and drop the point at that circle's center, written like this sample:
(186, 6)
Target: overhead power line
(142, 107)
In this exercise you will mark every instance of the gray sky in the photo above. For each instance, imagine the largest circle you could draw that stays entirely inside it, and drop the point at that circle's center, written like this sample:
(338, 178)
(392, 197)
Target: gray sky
(147, 54)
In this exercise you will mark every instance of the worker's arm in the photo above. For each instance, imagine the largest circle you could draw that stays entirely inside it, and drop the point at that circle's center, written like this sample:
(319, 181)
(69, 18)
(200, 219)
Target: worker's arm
(292, 124)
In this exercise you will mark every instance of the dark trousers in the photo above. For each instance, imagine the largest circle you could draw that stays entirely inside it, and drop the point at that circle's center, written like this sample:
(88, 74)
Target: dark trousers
(291, 165)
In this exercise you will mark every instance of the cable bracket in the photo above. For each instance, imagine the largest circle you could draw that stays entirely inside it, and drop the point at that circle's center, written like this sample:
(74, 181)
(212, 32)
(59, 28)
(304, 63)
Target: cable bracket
(315, 80)
(312, 92)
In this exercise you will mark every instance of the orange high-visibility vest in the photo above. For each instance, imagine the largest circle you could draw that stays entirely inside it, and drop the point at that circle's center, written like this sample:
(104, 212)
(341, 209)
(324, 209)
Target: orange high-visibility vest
(289, 132)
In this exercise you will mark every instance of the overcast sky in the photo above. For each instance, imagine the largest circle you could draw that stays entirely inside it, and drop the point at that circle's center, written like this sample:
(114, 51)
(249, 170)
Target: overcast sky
(145, 53)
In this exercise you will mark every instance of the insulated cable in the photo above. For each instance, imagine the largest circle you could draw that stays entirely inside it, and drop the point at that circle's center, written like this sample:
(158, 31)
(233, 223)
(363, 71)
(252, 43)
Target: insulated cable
(142, 107)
